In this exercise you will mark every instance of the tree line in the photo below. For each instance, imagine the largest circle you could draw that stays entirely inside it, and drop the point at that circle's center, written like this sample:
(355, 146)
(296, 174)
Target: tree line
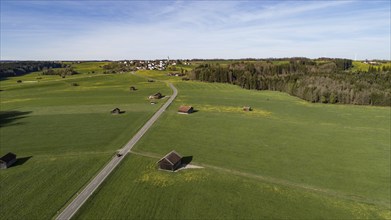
(327, 81)
(117, 67)
(67, 71)
(17, 68)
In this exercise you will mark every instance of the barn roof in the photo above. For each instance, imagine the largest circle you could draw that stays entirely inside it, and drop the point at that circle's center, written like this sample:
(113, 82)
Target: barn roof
(8, 157)
(184, 108)
(173, 157)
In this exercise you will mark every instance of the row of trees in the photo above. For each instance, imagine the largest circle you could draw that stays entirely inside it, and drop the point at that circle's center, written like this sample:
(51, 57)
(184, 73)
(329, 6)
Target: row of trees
(18, 68)
(326, 82)
(61, 72)
(117, 67)
(379, 68)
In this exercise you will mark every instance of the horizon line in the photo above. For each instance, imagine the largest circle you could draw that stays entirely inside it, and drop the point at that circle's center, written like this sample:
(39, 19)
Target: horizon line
(248, 58)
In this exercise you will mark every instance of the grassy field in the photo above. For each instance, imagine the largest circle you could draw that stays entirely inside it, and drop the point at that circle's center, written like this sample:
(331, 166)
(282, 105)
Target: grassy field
(286, 159)
(90, 67)
(360, 66)
(136, 190)
(326, 161)
(63, 134)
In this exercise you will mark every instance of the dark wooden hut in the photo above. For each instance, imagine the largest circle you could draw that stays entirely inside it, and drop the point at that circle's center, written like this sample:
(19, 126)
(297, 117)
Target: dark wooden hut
(247, 108)
(132, 88)
(116, 111)
(171, 161)
(156, 96)
(7, 160)
(184, 109)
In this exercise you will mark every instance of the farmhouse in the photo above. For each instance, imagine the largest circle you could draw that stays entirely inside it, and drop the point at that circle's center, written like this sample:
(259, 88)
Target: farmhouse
(184, 109)
(247, 108)
(175, 74)
(171, 161)
(7, 160)
(156, 96)
(116, 111)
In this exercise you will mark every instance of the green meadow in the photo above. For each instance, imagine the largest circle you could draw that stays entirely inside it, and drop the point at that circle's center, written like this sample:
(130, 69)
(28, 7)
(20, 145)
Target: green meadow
(136, 190)
(332, 147)
(90, 67)
(63, 134)
(285, 159)
(360, 66)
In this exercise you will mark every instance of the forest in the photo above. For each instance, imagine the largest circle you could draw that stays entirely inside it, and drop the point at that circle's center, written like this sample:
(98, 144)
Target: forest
(324, 81)
(18, 68)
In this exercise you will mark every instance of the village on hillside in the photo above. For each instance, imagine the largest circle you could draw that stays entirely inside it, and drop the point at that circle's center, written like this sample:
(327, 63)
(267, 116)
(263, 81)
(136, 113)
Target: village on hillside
(161, 64)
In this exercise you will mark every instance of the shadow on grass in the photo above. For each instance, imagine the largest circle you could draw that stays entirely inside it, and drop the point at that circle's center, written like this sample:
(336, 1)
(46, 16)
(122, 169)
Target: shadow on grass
(184, 113)
(21, 161)
(8, 118)
(186, 160)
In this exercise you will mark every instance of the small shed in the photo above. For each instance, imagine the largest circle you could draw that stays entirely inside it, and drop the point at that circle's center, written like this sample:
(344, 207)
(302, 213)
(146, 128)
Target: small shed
(116, 111)
(185, 109)
(132, 88)
(171, 161)
(156, 96)
(7, 160)
(247, 108)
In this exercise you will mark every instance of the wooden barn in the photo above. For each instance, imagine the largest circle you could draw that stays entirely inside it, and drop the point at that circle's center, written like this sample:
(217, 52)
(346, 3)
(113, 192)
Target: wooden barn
(116, 111)
(185, 109)
(247, 108)
(171, 161)
(7, 160)
(156, 96)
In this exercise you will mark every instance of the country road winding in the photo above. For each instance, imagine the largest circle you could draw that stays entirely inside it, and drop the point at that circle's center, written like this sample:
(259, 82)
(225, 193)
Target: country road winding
(82, 197)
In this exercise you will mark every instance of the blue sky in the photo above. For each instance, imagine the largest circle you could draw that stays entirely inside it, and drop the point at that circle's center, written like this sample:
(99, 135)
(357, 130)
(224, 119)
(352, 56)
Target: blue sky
(85, 30)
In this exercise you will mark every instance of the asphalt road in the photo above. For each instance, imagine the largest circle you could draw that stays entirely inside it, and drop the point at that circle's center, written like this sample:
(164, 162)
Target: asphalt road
(75, 205)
